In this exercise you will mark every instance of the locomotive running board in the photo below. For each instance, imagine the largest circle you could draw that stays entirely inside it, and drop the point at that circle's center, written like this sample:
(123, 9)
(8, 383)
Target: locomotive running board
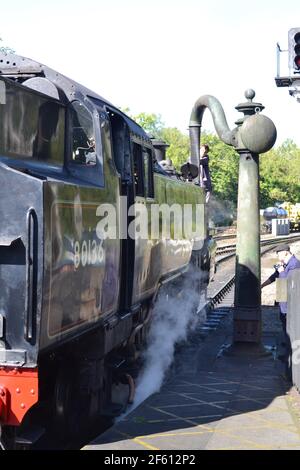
(9, 241)
(171, 276)
(10, 357)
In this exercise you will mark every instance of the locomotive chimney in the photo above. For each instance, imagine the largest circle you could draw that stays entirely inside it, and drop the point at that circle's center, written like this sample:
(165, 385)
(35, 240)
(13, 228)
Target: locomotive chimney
(160, 147)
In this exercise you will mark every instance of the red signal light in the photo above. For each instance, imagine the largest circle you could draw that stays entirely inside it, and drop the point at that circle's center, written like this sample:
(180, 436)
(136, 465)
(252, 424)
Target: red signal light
(297, 50)
(297, 61)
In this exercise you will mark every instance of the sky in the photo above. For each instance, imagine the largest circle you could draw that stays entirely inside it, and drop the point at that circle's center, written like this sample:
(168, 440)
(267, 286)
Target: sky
(160, 56)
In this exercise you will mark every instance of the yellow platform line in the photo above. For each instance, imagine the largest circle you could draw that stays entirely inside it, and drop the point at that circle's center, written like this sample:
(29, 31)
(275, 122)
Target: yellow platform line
(227, 432)
(288, 427)
(170, 420)
(217, 404)
(229, 383)
(233, 412)
(175, 434)
(264, 447)
(139, 440)
(209, 429)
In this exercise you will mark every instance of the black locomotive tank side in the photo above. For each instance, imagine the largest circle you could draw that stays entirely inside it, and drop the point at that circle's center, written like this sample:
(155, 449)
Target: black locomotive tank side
(75, 305)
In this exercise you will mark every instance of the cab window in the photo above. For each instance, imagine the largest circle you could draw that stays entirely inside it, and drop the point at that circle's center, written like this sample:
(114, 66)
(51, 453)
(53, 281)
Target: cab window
(32, 125)
(85, 154)
(138, 170)
(83, 143)
(148, 173)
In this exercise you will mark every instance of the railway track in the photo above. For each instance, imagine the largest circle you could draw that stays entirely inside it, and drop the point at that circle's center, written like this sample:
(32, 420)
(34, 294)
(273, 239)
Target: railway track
(221, 250)
(223, 297)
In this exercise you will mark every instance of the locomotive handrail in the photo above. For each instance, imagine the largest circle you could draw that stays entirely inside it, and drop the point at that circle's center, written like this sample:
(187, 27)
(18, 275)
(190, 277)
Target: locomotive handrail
(31, 225)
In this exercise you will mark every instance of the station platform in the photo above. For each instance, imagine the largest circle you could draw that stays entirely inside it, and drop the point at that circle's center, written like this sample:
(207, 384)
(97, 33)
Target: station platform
(213, 401)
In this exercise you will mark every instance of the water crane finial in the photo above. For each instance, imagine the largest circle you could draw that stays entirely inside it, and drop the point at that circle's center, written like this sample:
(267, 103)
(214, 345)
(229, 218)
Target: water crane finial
(249, 94)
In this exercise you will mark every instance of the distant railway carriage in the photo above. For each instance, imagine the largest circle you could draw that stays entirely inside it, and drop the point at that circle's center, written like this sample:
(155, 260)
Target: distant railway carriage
(286, 210)
(293, 213)
(271, 213)
(75, 305)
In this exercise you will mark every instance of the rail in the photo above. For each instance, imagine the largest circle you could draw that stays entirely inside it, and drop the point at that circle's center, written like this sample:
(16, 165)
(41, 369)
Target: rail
(270, 241)
(220, 294)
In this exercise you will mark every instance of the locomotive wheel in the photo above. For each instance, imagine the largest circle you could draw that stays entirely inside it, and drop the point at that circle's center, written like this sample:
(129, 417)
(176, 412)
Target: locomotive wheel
(71, 410)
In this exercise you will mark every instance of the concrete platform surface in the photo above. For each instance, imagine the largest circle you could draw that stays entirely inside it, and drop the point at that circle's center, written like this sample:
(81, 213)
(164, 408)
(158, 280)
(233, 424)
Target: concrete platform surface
(215, 401)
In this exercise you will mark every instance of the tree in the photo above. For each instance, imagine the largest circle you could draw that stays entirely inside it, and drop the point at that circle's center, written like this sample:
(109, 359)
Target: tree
(280, 174)
(178, 151)
(224, 163)
(179, 148)
(151, 123)
(279, 168)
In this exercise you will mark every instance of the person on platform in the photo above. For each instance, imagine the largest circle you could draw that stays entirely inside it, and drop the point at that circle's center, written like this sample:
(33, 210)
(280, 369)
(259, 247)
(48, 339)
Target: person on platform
(287, 263)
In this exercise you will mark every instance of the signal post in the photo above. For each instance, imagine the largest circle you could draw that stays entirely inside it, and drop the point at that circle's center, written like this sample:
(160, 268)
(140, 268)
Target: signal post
(292, 80)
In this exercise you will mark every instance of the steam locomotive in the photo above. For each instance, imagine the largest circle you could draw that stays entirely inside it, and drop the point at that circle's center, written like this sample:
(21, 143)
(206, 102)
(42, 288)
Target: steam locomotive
(76, 305)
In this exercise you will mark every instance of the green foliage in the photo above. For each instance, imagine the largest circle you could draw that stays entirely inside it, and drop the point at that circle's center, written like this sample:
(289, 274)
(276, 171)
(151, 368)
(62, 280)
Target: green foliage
(280, 174)
(223, 168)
(151, 123)
(179, 148)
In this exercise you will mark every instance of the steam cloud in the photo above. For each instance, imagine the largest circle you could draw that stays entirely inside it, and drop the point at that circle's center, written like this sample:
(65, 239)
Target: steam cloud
(221, 212)
(174, 316)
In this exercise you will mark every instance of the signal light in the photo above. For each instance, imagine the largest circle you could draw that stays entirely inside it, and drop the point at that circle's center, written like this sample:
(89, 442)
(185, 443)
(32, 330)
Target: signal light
(294, 50)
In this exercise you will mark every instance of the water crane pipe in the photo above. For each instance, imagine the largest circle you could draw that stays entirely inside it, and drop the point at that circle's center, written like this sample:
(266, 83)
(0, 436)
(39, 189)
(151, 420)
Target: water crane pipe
(219, 119)
(254, 134)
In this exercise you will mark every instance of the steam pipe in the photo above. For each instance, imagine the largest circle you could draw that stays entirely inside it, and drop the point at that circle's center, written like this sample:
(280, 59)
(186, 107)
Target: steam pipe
(220, 123)
(131, 388)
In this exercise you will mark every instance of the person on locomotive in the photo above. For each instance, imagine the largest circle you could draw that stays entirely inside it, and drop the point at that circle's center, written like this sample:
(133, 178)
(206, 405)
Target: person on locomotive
(205, 180)
(48, 119)
(287, 263)
(84, 144)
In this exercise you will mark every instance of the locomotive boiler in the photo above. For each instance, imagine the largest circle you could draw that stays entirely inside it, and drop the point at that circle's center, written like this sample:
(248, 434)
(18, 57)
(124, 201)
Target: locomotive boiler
(75, 303)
